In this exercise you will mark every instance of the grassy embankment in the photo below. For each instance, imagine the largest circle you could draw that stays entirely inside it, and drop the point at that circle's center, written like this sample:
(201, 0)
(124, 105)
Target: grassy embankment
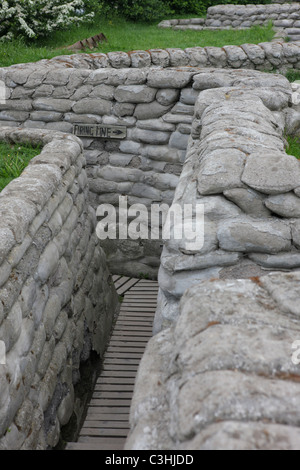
(122, 36)
(13, 160)
(126, 36)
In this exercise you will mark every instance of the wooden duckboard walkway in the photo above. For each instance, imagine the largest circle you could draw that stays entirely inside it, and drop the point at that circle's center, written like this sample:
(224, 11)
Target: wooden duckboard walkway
(107, 421)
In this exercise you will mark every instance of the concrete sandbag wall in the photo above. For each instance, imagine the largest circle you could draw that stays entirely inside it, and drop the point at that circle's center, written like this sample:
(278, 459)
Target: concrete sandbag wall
(57, 299)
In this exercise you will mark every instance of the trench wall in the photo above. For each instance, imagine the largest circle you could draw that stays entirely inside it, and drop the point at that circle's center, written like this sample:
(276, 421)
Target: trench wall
(284, 16)
(173, 116)
(57, 300)
(237, 169)
(225, 376)
(222, 371)
(154, 105)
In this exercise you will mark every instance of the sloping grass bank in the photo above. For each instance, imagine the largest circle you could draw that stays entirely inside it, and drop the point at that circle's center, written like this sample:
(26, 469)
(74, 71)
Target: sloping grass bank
(123, 35)
(13, 160)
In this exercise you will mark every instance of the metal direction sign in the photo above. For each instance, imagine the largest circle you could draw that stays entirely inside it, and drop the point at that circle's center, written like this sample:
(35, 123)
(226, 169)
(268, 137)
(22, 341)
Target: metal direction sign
(100, 130)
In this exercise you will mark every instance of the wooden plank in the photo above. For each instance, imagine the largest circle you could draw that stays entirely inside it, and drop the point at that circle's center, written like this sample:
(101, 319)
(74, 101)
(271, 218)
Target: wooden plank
(141, 305)
(143, 311)
(103, 442)
(141, 295)
(136, 335)
(122, 280)
(108, 410)
(149, 311)
(121, 327)
(133, 329)
(119, 367)
(127, 339)
(120, 373)
(115, 277)
(124, 350)
(147, 287)
(147, 321)
(137, 341)
(121, 361)
(125, 287)
(104, 432)
(138, 313)
(138, 306)
(147, 296)
(108, 445)
(136, 323)
(132, 322)
(125, 323)
(148, 281)
(118, 389)
(145, 291)
(147, 317)
(128, 343)
(105, 402)
(107, 424)
(113, 395)
(121, 393)
(152, 287)
(117, 354)
(115, 380)
(117, 417)
(113, 388)
(138, 303)
(133, 318)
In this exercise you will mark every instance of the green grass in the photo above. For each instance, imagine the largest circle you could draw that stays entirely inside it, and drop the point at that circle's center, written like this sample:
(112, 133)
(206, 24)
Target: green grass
(293, 75)
(13, 160)
(126, 36)
(293, 146)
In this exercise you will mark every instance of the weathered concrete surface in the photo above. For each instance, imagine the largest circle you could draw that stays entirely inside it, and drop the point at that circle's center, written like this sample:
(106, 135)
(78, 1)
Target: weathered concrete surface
(222, 377)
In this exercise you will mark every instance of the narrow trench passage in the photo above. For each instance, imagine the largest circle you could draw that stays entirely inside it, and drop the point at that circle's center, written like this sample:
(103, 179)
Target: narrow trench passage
(107, 421)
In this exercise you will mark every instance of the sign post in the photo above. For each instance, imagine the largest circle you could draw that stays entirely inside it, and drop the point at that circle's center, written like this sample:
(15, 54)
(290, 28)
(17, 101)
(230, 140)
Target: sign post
(100, 131)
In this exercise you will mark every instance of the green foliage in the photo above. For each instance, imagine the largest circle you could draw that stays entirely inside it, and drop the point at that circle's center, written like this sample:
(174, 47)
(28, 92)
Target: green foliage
(153, 10)
(293, 75)
(33, 19)
(136, 10)
(293, 147)
(187, 6)
(93, 6)
(37, 18)
(13, 160)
